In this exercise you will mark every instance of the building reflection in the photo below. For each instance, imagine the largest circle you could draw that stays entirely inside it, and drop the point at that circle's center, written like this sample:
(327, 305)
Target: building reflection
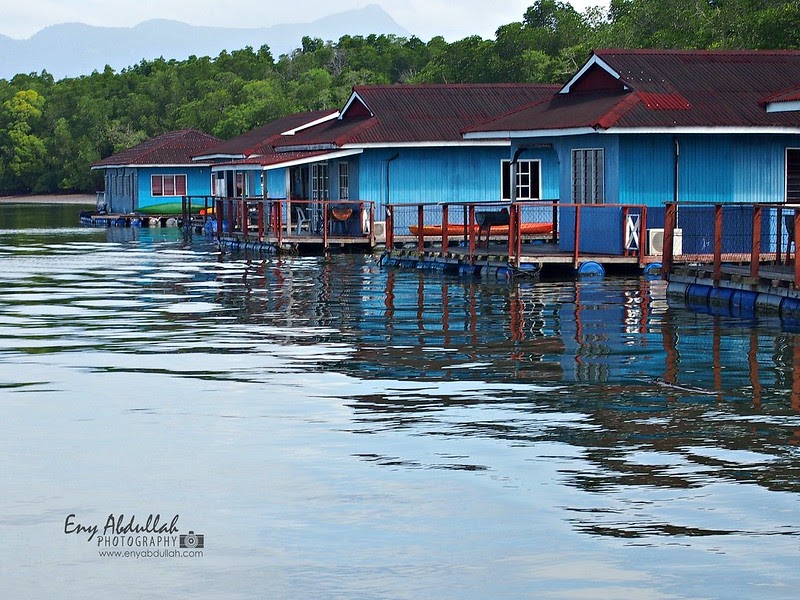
(637, 374)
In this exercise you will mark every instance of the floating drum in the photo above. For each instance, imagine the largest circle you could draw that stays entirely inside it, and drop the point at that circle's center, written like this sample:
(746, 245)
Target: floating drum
(697, 296)
(744, 301)
(591, 269)
(790, 307)
(768, 303)
(653, 270)
(172, 222)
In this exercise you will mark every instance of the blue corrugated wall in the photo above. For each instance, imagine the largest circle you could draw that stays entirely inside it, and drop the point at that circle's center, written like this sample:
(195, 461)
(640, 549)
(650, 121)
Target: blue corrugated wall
(640, 168)
(712, 168)
(443, 174)
(198, 183)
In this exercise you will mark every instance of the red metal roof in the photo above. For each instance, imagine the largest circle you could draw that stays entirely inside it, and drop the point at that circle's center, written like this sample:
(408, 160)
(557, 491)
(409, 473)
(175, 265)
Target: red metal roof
(172, 148)
(416, 113)
(260, 141)
(667, 89)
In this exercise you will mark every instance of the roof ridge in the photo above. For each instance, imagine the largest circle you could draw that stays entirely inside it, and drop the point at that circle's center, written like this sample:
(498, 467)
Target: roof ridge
(679, 51)
(509, 112)
(619, 110)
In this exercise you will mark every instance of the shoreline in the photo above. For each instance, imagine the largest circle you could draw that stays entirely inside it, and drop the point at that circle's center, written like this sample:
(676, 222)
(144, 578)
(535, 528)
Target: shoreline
(88, 199)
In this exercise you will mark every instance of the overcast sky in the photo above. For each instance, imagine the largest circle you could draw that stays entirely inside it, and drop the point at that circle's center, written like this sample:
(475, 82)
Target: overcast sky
(454, 19)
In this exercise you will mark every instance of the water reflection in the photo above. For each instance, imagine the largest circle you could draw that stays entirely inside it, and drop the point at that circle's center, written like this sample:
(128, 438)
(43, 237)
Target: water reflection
(475, 424)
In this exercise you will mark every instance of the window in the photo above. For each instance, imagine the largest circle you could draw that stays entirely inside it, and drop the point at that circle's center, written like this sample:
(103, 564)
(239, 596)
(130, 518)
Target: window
(344, 181)
(320, 181)
(793, 174)
(168, 185)
(588, 183)
(528, 180)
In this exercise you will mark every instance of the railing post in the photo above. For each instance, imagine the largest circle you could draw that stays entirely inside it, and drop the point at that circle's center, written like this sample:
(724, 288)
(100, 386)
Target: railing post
(445, 226)
(279, 220)
(512, 219)
(471, 230)
(325, 211)
(260, 220)
(779, 237)
(245, 218)
(717, 275)
(420, 227)
(577, 236)
(555, 222)
(219, 209)
(668, 250)
(625, 251)
(755, 249)
(390, 228)
(642, 234)
(372, 223)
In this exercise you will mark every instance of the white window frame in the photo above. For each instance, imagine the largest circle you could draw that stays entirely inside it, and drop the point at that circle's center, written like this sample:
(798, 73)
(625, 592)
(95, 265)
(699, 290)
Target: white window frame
(524, 189)
(174, 178)
(796, 197)
(320, 181)
(588, 177)
(344, 180)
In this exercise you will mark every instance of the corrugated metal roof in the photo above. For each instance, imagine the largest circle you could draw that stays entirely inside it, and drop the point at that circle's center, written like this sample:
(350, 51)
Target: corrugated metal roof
(419, 113)
(670, 88)
(260, 141)
(172, 148)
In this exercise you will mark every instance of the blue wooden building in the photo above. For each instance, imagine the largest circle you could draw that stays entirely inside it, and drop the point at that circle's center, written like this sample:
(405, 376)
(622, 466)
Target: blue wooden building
(153, 176)
(650, 126)
(398, 143)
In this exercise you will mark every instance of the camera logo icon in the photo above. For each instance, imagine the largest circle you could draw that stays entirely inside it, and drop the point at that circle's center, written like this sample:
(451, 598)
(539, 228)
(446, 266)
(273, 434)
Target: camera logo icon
(192, 540)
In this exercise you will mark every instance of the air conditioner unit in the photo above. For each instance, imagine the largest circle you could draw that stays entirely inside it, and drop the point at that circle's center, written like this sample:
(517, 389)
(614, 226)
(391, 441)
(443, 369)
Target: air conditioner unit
(380, 232)
(655, 242)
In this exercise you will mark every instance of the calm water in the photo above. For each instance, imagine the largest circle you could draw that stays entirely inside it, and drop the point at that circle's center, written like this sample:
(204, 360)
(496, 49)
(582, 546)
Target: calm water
(334, 429)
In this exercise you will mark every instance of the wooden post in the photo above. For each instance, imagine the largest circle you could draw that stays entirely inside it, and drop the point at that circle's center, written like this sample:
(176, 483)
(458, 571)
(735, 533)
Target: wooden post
(279, 220)
(445, 225)
(642, 235)
(218, 212)
(717, 275)
(779, 234)
(667, 255)
(244, 217)
(324, 223)
(471, 230)
(512, 220)
(625, 251)
(260, 221)
(231, 219)
(389, 228)
(577, 236)
(755, 251)
(555, 222)
(421, 226)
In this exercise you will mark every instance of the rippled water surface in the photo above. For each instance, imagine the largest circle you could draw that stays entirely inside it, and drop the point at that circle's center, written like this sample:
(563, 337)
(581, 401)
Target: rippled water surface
(335, 429)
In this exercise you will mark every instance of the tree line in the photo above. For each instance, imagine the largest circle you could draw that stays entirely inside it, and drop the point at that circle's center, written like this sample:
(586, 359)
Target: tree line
(52, 131)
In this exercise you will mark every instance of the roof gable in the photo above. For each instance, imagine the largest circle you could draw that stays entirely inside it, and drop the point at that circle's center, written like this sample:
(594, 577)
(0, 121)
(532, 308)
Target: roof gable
(668, 90)
(383, 115)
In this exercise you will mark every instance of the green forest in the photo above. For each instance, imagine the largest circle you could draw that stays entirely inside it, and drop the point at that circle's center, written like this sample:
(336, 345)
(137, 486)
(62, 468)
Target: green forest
(52, 131)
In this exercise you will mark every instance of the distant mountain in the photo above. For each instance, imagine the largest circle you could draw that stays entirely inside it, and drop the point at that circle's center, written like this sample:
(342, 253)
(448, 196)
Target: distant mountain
(74, 49)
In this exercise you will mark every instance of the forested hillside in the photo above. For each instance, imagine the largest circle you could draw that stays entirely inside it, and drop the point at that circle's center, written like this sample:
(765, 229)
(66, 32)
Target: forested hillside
(52, 131)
